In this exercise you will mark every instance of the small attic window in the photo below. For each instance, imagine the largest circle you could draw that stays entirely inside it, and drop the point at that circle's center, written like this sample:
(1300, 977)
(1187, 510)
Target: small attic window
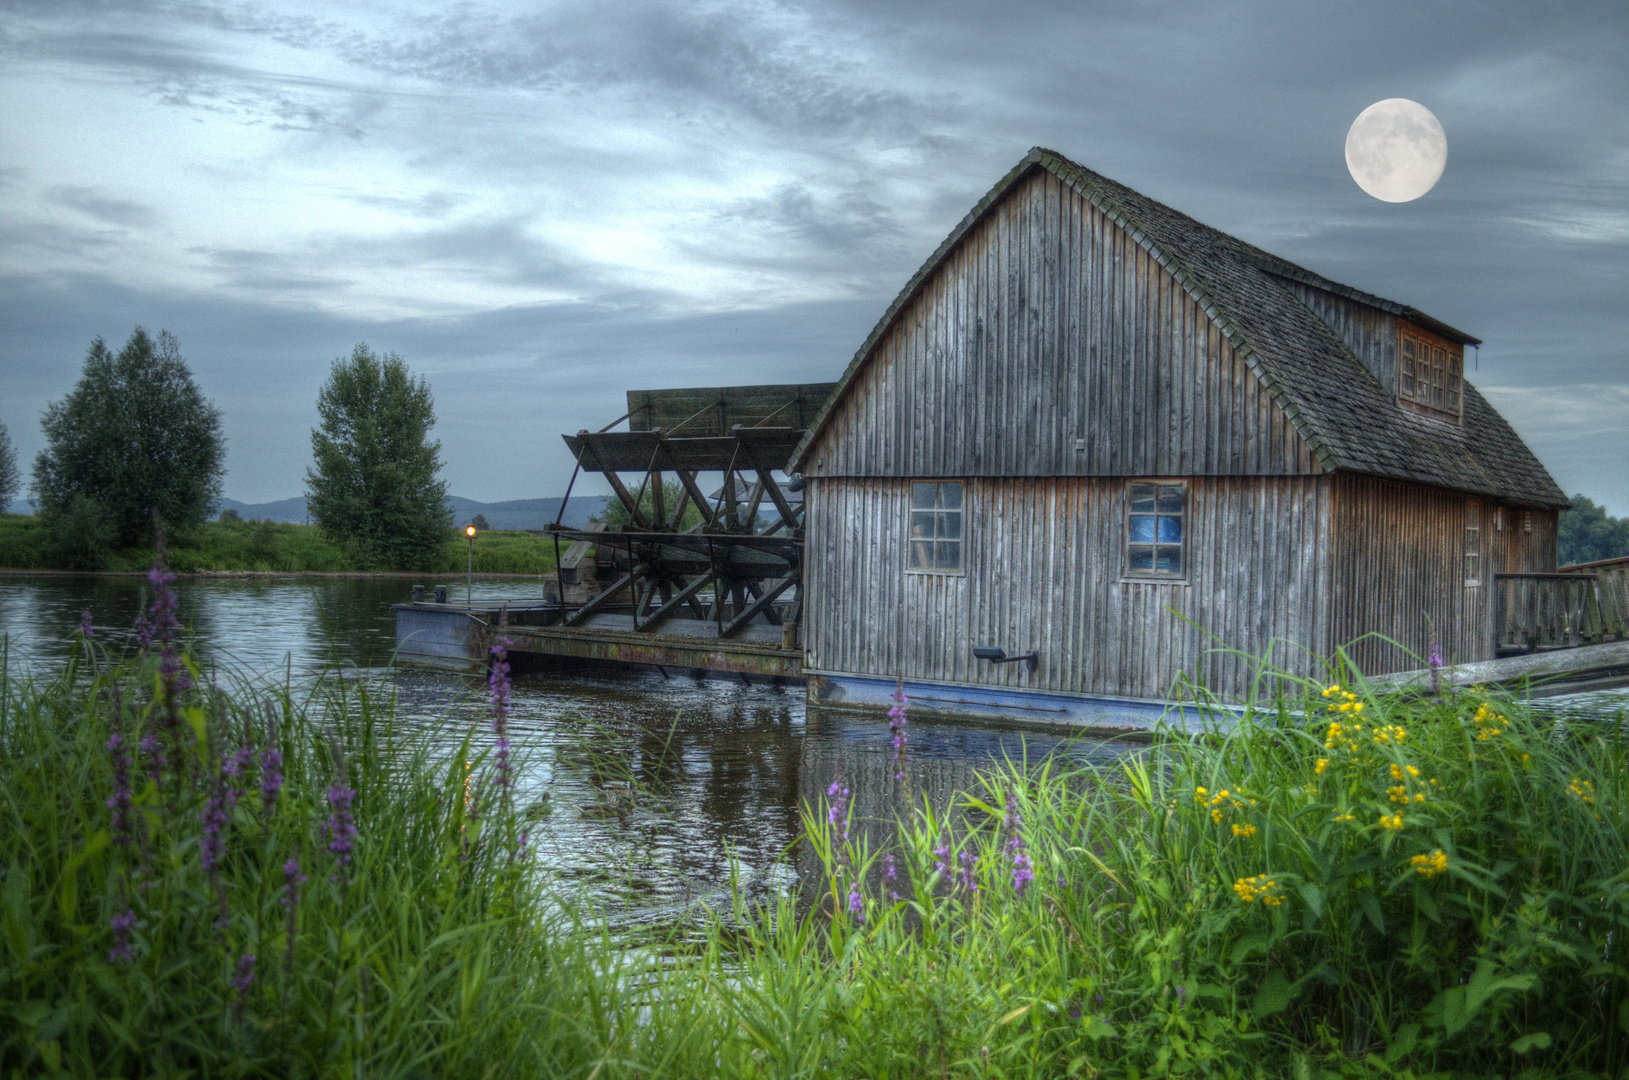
(1430, 374)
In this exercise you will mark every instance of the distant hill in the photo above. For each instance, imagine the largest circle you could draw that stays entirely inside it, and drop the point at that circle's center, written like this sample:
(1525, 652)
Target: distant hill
(514, 514)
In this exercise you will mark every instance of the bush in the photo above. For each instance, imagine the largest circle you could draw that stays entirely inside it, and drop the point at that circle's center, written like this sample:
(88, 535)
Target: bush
(81, 534)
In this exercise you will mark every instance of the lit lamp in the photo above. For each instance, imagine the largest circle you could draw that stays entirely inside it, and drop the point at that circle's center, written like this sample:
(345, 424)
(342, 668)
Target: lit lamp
(469, 582)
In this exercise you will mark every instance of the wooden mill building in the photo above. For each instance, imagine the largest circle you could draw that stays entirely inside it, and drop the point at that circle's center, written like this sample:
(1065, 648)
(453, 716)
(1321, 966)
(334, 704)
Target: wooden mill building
(1094, 429)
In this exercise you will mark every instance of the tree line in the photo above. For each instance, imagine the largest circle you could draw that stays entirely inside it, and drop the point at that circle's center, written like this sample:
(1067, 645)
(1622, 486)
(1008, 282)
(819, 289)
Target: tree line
(136, 448)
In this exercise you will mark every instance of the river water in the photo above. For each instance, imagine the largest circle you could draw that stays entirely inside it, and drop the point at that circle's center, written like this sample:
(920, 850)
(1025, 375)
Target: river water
(642, 788)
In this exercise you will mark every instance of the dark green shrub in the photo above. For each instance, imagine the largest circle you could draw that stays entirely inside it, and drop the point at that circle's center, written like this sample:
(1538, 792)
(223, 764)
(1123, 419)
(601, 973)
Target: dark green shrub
(82, 534)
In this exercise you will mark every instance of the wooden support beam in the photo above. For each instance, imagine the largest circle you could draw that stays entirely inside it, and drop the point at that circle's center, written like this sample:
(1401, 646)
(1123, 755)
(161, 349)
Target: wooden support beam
(768, 481)
(634, 513)
(758, 605)
(576, 617)
(682, 597)
(688, 479)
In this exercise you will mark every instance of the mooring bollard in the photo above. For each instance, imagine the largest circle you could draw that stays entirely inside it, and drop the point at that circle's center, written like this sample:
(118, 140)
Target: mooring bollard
(418, 594)
(441, 594)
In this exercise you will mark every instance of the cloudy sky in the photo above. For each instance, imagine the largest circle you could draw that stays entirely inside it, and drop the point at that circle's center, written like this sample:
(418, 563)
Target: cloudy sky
(540, 206)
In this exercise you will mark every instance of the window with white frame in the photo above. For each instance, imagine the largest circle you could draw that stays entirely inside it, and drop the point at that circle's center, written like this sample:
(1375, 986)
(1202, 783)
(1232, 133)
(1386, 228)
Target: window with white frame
(936, 527)
(1156, 530)
(1473, 543)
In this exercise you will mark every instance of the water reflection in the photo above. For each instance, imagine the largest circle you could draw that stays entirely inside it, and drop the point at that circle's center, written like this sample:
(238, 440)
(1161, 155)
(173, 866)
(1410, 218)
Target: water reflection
(637, 789)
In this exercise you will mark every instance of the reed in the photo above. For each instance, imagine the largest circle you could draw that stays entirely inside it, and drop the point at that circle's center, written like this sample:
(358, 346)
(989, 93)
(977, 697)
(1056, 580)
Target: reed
(1342, 884)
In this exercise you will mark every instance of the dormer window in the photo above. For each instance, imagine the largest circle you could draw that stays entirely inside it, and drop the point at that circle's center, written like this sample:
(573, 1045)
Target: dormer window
(1430, 373)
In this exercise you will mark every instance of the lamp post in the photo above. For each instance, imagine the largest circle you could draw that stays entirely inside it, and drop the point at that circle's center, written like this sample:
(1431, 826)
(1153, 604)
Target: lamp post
(469, 582)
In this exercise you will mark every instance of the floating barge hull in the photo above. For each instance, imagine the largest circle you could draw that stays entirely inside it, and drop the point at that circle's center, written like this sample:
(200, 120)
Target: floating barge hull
(458, 638)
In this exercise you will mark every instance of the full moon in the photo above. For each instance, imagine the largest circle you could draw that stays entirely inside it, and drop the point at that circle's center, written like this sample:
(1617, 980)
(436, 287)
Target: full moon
(1396, 150)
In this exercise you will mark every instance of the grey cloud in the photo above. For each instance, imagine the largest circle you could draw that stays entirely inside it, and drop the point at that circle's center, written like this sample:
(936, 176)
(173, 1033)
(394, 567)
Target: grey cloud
(98, 203)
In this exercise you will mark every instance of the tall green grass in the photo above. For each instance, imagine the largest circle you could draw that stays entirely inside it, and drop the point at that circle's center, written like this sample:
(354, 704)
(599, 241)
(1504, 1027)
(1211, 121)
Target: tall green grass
(264, 546)
(1241, 904)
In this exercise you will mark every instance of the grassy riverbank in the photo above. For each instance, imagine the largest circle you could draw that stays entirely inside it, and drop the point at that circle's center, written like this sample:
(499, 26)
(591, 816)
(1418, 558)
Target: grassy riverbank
(1395, 888)
(264, 546)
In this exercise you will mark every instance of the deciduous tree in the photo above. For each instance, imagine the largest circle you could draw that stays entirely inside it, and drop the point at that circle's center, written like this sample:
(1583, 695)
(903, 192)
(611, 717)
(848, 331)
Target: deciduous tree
(373, 478)
(10, 479)
(134, 437)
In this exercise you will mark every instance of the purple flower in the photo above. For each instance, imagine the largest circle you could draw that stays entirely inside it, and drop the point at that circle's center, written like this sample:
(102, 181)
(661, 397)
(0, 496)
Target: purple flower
(941, 859)
(235, 768)
(244, 979)
(292, 880)
(340, 828)
(1434, 662)
(896, 724)
(211, 845)
(271, 779)
(160, 623)
(123, 952)
(1023, 870)
(86, 630)
(837, 815)
(856, 903)
(968, 865)
(122, 827)
(890, 876)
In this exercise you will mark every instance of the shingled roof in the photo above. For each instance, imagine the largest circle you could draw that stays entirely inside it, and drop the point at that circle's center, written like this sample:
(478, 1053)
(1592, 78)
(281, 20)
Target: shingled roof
(1348, 419)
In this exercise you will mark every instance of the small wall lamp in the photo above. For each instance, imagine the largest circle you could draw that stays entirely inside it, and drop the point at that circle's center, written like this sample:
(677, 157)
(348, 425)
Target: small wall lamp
(1031, 660)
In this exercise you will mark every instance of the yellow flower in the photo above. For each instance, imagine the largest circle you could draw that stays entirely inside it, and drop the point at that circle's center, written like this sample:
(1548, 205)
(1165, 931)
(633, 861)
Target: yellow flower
(1333, 690)
(1357, 706)
(1261, 887)
(1398, 772)
(1216, 816)
(1583, 789)
(1323, 763)
(1200, 794)
(1398, 794)
(1246, 831)
(1419, 796)
(1345, 817)
(1390, 734)
(1430, 865)
(1395, 821)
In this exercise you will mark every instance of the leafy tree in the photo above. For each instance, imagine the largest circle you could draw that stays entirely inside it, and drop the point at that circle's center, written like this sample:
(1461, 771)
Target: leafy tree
(135, 437)
(10, 480)
(615, 514)
(230, 516)
(1587, 533)
(479, 521)
(373, 481)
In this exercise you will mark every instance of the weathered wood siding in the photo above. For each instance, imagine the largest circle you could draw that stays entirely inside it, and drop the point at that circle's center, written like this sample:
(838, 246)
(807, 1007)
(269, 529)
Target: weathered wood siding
(1047, 325)
(1399, 574)
(1042, 570)
(1518, 549)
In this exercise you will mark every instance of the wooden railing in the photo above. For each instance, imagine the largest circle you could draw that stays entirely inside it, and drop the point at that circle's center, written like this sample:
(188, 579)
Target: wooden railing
(1611, 593)
(1561, 610)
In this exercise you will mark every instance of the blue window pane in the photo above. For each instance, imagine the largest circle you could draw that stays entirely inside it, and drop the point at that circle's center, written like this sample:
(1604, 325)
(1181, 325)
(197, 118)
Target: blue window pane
(1142, 529)
(1170, 499)
(921, 555)
(1142, 498)
(1170, 560)
(922, 525)
(950, 526)
(950, 496)
(1170, 530)
(1141, 557)
(950, 556)
(922, 496)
